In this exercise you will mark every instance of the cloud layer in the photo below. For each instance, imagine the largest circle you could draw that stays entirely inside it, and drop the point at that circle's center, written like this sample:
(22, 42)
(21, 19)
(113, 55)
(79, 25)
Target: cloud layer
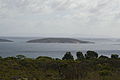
(100, 17)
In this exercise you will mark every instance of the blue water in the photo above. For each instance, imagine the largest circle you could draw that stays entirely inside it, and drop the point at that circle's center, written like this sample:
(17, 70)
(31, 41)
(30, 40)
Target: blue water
(57, 50)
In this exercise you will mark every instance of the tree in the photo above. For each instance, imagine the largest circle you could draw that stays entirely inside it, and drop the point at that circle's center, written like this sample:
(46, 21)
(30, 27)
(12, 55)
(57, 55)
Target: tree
(44, 57)
(79, 55)
(91, 54)
(20, 56)
(68, 56)
(0, 57)
(10, 58)
(114, 56)
(103, 57)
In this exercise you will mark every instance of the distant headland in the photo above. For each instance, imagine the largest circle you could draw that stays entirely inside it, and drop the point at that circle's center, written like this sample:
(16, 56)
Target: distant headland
(5, 40)
(58, 40)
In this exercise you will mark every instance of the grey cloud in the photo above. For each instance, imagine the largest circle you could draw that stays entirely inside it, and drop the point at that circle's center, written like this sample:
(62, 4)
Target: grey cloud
(54, 15)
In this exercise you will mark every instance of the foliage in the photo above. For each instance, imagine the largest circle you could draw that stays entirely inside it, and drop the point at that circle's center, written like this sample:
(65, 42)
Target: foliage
(20, 56)
(80, 55)
(91, 55)
(105, 73)
(103, 57)
(47, 68)
(114, 56)
(44, 57)
(68, 56)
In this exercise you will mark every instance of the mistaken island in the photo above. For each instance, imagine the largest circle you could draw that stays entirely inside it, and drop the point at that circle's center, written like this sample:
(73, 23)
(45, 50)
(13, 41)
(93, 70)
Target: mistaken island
(5, 40)
(58, 40)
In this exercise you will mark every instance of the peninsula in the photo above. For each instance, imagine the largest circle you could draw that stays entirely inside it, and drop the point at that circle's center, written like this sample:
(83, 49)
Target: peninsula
(5, 40)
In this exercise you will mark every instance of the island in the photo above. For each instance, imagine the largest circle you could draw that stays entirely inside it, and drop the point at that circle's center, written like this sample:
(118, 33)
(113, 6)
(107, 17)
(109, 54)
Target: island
(5, 40)
(58, 40)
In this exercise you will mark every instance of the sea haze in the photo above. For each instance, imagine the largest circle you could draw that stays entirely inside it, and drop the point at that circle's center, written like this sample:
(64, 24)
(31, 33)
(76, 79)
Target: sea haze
(104, 46)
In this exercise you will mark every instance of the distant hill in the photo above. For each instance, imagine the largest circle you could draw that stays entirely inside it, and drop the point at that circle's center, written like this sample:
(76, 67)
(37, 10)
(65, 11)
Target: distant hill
(5, 40)
(57, 40)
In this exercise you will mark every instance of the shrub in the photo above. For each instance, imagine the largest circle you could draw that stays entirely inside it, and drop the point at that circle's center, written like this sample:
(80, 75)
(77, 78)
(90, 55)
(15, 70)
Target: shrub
(91, 54)
(20, 56)
(44, 57)
(68, 56)
(79, 55)
(105, 73)
(10, 58)
(114, 56)
(103, 57)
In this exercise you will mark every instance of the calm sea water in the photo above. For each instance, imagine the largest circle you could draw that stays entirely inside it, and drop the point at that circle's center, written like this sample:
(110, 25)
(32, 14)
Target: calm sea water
(57, 50)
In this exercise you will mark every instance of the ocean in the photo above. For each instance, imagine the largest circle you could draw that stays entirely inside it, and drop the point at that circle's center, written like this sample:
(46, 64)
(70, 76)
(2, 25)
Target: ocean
(104, 46)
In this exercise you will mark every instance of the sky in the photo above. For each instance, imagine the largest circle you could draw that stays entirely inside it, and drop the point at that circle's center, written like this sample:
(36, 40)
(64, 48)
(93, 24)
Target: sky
(78, 18)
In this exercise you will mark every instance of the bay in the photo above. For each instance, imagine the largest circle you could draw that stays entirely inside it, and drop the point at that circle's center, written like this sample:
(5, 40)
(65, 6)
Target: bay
(57, 50)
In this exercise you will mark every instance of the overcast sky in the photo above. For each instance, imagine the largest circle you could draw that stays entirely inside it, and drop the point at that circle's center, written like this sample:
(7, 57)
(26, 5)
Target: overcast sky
(91, 18)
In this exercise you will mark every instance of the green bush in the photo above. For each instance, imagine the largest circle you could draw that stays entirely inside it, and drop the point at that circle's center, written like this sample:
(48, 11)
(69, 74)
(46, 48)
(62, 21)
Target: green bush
(103, 57)
(20, 56)
(105, 73)
(91, 55)
(114, 56)
(68, 56)
(44, 57)
(80, 56)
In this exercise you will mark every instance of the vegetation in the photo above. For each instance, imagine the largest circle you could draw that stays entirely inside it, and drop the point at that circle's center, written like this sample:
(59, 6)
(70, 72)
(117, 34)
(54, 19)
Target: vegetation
(103, 57)
(85, 67)
(114, 56)
(68, 56)
(80, 55)
(91, 54)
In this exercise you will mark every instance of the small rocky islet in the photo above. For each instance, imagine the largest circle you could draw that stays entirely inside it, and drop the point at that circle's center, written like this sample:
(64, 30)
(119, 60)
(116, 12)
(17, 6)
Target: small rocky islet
(58, 40)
